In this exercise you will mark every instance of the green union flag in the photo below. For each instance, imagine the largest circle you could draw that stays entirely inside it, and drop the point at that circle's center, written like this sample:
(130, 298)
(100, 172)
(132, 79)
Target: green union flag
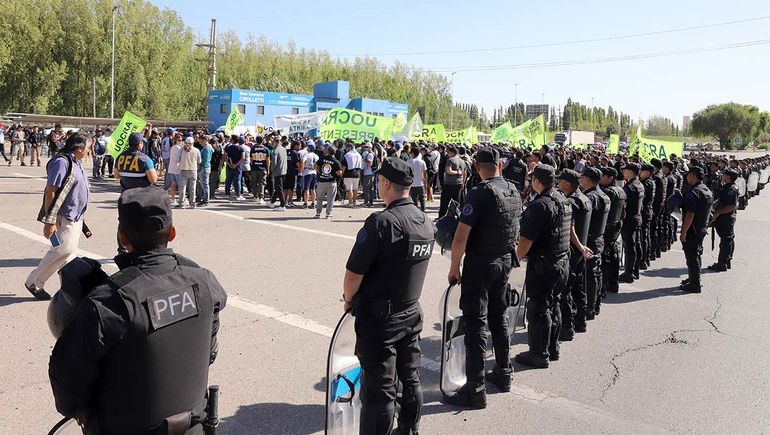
(502, 133)
(233, 120)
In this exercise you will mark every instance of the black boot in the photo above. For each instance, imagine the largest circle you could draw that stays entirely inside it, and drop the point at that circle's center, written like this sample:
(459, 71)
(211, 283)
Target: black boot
(530, 360)
(500, 377)
(718, 267)
(468, 396)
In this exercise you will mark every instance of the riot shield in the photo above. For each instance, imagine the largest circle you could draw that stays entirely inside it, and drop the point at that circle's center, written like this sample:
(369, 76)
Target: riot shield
(516, 310)
(741, 183)
(67, 426)
(753, 183)
(343, 380)
(452, 375)
(764, 176)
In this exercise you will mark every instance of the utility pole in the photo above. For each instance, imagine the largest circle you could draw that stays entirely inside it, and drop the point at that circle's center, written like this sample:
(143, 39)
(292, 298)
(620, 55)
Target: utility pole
(212, 46)
(112, 81)
(515, 102)
(452, 110)
(592, 114)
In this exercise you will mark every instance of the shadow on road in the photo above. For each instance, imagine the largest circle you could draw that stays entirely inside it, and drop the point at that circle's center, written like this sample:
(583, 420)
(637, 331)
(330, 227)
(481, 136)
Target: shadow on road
(274, 418)
(666, 272)
(10, 299)
(622, 298)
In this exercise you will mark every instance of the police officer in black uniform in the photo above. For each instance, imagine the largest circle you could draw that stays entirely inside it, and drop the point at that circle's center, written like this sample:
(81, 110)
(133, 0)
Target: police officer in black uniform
(600, 210)
(645, 176)
(668, 229)
(573, 297)
(133, 167)
(724, 219)
(486, 235)
(658, 206)
(610, 255)
(695, 221)
(383, 282)
(632, 223)
(116, 368)
(545, 239)
(516, 171)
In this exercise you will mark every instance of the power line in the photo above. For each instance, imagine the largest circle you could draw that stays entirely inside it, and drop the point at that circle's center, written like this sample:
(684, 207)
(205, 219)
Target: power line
(561, 43)
(599, 60)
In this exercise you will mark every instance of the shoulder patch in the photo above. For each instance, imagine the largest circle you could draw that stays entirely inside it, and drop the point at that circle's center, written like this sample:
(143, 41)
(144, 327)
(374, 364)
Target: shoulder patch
(467, 209)
(362, 236)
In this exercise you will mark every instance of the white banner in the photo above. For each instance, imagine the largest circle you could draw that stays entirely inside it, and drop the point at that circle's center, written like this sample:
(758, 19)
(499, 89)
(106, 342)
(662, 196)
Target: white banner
(290, 124)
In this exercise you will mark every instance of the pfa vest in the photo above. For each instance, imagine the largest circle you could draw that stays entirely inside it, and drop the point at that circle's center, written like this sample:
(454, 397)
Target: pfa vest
(555, 243)
(496, 233)
(400, 279)
(160, 368)
(634, 197)
(704, 199)
(600, 203)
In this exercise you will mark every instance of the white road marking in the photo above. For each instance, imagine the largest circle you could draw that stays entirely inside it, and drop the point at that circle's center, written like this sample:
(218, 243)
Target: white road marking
(284, 226)
(29, 176)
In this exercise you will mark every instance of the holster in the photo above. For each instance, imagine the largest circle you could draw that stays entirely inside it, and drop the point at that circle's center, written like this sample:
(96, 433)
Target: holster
(178, 424)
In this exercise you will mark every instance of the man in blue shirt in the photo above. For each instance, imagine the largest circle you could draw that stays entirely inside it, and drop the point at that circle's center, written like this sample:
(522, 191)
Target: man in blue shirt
(204, 170)
(134, 168)
(64, 203)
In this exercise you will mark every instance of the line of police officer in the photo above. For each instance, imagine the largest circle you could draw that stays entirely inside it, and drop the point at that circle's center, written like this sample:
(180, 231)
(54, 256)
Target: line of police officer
(568, 236)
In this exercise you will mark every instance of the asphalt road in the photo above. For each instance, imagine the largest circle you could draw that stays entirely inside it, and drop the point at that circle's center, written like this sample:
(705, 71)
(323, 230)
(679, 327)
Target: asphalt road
(656, 360)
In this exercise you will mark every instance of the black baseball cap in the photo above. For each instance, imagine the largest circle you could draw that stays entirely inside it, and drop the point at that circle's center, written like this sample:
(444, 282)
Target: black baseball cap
(397, 171)
(732, 172)
(592, 173)
(135, 139)
(487, 155)
(609, 171)
(633, 167)
(569, 176)
(544, 172)
(647, 167)
(697, 170)
(144, 209)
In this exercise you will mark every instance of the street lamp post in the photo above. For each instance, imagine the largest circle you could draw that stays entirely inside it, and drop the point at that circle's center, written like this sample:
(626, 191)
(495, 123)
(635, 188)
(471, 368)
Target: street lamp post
(112, 81)
(592, 115)
(452, 109)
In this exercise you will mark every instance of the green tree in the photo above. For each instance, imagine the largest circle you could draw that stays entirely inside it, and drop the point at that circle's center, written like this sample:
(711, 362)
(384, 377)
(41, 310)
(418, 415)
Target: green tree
(726, 122)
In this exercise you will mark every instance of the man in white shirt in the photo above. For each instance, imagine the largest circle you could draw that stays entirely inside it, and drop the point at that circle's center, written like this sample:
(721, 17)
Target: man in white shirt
(308, 176)
(189, 159)
(420, 175)
(368, 180)
(352, 167)
(171, 181)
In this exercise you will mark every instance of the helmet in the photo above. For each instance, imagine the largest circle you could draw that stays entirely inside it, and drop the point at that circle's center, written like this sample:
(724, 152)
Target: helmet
(78, 278)
(446, 227)
(675, 200)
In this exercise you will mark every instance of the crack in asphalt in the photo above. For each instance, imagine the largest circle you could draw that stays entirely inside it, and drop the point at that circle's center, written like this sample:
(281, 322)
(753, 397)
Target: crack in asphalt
(671, 339)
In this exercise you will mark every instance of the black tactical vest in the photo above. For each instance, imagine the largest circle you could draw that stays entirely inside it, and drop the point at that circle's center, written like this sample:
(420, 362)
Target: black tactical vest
(581, 214)
(660, 193)
(704, 199)
(161, 366)
(556, 244)
(496, 233)
(617, 206)
(600, 204)
(649, 197)
(400, 279)
(634, 197)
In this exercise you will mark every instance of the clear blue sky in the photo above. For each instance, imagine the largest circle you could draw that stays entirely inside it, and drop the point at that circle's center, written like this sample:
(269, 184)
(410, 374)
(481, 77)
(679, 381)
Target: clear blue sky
(670, 86)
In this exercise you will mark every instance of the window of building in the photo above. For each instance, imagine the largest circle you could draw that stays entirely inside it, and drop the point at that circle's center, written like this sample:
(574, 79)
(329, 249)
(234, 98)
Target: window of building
(295, 110)
(223, 108)
(260, 110)
(242, 108)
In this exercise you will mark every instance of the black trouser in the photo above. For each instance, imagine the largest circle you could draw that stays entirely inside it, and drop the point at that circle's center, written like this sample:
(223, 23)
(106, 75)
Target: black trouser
(573, 298)
(693, 249)
(725, 228)
(386, 348)
(418, 196)
(449, 191)
(544, 281)
(246, 181)
(107, 161)
(278, 190)
(631, 247)
(483, 295)
(610, 261)
(2, 151)
(665, 231)
(655, 237)
(594, 284)
(644, 239)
